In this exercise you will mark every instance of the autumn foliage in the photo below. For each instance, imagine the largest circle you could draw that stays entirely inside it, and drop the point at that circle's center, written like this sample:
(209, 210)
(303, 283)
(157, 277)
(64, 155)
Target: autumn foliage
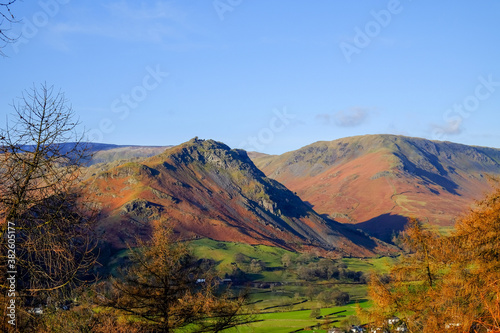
(166, 288)
(446, 283)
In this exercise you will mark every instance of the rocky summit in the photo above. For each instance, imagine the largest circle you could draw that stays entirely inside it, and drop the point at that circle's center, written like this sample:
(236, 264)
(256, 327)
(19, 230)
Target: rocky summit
(202, 188)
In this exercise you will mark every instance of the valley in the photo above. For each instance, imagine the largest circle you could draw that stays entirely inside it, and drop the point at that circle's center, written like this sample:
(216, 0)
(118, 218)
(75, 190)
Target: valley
(262, 238)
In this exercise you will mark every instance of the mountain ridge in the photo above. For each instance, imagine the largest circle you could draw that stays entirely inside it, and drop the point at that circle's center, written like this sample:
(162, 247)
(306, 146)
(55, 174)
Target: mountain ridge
(374, 182)
(202, 188)
(379, 181)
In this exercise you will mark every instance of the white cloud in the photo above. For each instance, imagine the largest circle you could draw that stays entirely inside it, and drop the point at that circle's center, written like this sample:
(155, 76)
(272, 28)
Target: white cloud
(451, 128)
(345, 118)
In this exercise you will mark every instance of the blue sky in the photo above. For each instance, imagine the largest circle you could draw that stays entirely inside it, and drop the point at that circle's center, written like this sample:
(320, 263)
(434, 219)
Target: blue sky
(271, 76)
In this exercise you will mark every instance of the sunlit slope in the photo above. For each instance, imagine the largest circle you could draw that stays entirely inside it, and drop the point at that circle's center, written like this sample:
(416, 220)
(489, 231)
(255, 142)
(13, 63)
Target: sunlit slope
(377, 181)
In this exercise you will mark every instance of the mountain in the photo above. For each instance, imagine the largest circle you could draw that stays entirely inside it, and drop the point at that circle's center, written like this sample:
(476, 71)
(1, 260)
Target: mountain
(105, 153)
(202, 188)
(377, 181)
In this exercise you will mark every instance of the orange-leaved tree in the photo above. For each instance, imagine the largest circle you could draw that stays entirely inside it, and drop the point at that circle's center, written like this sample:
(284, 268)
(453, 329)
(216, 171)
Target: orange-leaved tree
(445, 282)
(166, 289)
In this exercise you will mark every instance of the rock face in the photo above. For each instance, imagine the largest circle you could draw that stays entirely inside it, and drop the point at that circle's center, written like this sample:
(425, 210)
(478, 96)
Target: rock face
(141, 210)
(378, 181)
(202, 188)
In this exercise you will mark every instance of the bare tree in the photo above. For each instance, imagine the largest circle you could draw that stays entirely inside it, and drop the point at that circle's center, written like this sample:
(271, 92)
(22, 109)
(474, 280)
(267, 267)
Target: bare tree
(41, 156)
(6, 17)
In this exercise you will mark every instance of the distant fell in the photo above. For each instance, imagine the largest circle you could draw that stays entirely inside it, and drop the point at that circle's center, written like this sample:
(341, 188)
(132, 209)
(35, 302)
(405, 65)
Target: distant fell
(125, 153)
(105, 152)
(378, 181)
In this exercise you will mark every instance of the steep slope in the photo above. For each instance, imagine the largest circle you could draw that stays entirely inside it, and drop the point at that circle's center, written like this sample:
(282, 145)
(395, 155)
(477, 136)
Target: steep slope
(205, 189)
(377, 181)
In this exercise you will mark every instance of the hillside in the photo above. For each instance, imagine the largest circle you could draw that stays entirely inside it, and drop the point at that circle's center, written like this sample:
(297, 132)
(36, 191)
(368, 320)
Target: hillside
(205, 189)
(377, 181)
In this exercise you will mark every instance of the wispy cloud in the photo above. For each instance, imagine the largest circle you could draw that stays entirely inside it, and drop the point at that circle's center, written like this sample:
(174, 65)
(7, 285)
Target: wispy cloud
(145, 11)
(451, 128)
(324, 118)
(345, 118)
(159, 22)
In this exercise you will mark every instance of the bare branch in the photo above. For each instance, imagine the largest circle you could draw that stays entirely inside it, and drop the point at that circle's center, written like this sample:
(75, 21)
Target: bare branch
(6, 16)
(41, 157)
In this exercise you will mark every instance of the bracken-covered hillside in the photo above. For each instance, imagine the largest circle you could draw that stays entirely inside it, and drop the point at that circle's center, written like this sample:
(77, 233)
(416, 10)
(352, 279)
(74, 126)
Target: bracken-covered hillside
(378, 181)
(203, 188)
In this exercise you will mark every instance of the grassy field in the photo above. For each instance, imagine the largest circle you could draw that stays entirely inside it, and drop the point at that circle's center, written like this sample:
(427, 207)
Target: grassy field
(224, 253)
(367, 265)
(297, 320)
(285, 307)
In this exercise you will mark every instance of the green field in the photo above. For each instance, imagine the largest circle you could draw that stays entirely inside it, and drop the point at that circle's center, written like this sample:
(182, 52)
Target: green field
(293, 320)
(284, 306)
(224, 254)
(367, 265)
